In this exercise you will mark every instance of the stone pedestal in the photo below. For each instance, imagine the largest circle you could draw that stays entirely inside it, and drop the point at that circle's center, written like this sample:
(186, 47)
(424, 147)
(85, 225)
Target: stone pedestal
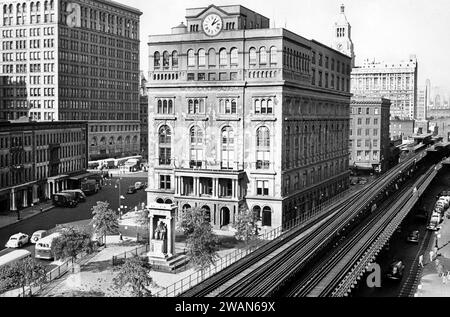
(162, 255)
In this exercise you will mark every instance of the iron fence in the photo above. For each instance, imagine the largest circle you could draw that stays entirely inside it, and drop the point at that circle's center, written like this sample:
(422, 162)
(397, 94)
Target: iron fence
(120, 258)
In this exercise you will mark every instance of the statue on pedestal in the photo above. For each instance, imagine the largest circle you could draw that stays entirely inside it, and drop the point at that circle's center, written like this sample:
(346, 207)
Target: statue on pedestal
(161, 231)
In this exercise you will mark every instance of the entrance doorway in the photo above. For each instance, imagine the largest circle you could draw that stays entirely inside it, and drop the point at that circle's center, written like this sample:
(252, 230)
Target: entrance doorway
(225, 216)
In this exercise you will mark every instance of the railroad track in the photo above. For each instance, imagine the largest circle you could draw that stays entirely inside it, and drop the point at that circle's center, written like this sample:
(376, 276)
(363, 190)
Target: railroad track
(340, 262)
(295, 257)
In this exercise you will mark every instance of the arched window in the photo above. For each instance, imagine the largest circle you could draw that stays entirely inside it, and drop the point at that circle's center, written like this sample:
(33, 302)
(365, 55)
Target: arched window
(267, 217)
(191, 58)
(160, 201)
(170, 107)
(234, 56)
(273, 55)
(227, 148)
(157, 59)
(262, 55)
(38, 6)
(212, 57)
(135, 139)
(186, 207)
(257, 212)
(160, 107)
(263, 148)
(196, 106)
(223, 57)
(165, 145)
(164, 107)
(166, 59)
(127, 140)
(252, 54)
(201, 57)
(168, 202)
(46, 5)
(119, 140)
(196, 147)
(103, 141)
(111, 141)
(174, 59)
(94, 141)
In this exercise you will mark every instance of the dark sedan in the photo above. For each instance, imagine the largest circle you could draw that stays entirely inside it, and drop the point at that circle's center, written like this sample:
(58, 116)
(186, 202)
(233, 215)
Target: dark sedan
(413, 237)
(131, 190)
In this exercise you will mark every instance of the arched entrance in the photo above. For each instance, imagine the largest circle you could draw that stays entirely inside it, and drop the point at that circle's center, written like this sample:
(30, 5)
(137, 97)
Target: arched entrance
(224, 217)
(267, 217)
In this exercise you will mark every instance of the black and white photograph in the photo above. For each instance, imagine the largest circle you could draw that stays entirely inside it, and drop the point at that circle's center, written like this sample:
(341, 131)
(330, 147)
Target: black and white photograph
(198, 149)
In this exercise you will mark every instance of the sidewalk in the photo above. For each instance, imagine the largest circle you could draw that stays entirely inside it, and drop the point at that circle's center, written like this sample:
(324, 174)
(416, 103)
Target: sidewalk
(9, 218)
(432, 284)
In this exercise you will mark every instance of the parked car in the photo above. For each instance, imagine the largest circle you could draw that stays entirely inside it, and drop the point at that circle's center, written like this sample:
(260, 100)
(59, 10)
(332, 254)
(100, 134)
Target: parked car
(139, 185)
(131, 190)
(38, 235)
(396, 270)
(17, 240)
(413, 236)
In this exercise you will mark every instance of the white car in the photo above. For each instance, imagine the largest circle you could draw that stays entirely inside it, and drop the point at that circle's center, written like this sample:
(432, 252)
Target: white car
(18, 240)
(38, 235)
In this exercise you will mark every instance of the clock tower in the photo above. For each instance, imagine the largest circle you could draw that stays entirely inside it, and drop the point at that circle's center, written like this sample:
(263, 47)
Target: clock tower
(342, 40)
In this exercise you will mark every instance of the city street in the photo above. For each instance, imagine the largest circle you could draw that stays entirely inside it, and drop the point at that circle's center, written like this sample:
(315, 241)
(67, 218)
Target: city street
(400, 249)
(50, 219)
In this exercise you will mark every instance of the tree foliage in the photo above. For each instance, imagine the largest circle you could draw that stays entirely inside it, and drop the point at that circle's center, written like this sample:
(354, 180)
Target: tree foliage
(201, 243)
(191, 219)
(105, 220)
(135, 274)
(71, 242)
(246, 225)
(143, 218)
(21, 275)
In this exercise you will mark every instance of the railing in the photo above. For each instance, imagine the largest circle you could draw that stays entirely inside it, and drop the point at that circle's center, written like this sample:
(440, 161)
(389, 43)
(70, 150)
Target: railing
(120, 258)
(199, 276)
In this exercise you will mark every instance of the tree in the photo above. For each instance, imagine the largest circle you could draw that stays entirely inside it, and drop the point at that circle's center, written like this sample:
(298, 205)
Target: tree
(105, 220)
(22, 274)
(134, 273)
(202, 246)
(191, 219)
(71, 242)
(201, 243)
(143, 218)
(246, 225)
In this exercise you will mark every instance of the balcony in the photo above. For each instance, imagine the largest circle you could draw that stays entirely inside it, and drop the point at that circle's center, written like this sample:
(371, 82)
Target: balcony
(209, 187)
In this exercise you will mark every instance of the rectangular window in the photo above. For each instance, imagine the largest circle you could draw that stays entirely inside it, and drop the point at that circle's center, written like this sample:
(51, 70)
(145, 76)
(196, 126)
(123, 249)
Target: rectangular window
(222, 76)
(190, 76)
(212, 76)
(164, 182)
(201, 76)
(375, 132)
(262, 188)
(233, 76)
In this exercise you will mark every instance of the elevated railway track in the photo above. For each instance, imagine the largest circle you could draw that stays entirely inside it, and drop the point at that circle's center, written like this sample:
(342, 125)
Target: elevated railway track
(266, 271)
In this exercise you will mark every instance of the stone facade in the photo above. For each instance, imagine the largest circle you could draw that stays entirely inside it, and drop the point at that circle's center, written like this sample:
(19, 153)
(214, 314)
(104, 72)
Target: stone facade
(394, 81)
(252, 116)
(38, 159)
(74, 60)
(369, 134)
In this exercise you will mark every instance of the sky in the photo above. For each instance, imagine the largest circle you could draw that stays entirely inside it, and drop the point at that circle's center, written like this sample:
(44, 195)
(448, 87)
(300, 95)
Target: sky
(388, 30)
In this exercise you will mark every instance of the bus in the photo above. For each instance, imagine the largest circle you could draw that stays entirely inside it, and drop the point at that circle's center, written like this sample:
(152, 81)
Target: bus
(13, 257)
(43, 248)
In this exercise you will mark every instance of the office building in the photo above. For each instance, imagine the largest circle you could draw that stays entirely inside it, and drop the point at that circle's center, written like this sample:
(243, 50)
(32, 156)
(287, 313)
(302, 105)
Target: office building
(39, 159)
(369, 134)
(394, 81)
(74, 60)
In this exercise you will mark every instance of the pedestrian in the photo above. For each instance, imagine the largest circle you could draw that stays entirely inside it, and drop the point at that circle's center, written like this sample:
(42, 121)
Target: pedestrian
(435, 250)
(444, 278)
(120, 236)
(42, 209)
(421, 260)
(431, 255)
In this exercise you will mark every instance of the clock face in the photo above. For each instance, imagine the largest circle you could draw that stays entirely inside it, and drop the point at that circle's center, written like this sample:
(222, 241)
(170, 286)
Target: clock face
(212, 24)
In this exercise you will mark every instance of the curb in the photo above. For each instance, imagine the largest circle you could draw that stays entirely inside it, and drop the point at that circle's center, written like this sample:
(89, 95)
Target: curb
(26, 218)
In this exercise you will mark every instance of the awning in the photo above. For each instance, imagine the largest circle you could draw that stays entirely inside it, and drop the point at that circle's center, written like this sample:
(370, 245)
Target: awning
(79, 177)
(56, 178)
(363, 166)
